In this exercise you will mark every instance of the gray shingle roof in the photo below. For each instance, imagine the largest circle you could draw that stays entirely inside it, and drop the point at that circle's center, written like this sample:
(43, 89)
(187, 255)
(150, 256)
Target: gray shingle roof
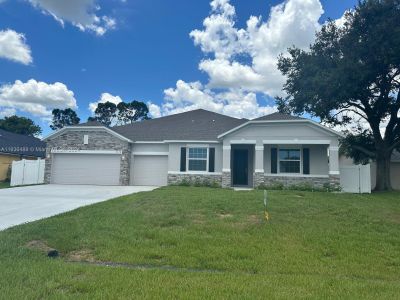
(18, 144)
(199, 125)
(278, 117)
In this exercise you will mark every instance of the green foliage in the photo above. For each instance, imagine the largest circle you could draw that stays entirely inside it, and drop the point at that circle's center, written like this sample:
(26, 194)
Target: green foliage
(352, 143)
(351, 73)
(134, 111)
(124, 113)
(64, 117)
(20, 125)
(105, 113)
(197, 182)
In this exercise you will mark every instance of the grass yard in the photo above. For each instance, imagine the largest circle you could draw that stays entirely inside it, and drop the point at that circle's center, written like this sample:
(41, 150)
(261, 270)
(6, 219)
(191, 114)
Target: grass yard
(179, 242)
(4, 185)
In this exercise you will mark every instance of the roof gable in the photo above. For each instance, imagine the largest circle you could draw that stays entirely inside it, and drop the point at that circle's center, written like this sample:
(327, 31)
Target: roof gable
(282, 118)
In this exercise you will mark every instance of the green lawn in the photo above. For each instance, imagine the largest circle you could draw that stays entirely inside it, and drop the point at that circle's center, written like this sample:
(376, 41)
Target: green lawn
(4, 185)
(211, 243)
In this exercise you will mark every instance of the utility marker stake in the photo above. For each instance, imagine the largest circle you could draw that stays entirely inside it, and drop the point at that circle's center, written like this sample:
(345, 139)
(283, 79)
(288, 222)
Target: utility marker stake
(266, 215)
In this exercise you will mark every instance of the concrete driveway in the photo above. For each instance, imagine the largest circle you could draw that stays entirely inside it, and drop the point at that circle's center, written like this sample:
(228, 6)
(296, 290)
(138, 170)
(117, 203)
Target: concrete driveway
(26, 204)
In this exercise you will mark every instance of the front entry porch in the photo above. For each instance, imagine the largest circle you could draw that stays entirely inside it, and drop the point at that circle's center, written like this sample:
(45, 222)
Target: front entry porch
(288, 164)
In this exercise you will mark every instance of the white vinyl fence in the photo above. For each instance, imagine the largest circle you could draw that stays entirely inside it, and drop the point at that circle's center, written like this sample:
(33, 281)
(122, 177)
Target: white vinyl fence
(25, 172)
(356, 179)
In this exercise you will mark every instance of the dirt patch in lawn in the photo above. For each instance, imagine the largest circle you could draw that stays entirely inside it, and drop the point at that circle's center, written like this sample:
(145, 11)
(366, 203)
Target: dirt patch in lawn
(39, 246)
(395, 218)
(84, 255)
(225, 215)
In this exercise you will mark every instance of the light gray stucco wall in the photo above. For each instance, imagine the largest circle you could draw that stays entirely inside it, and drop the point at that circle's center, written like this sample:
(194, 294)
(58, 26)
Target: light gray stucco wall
(99, 139)
(278, 131)
(319, 164)
(150, 148)
(174, 159)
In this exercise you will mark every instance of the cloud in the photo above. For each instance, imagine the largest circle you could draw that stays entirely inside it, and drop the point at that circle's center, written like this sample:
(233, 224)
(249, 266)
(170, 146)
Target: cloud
(241, 63)
(294, 22)
(7, 112)
(154, 110)
(189, 96)
(13, 47)
(80, 13)
(105, 97)
(36, 97)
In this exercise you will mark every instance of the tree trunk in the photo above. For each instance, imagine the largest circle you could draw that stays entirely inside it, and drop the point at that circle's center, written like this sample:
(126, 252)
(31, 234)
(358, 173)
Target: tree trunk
(383, 182)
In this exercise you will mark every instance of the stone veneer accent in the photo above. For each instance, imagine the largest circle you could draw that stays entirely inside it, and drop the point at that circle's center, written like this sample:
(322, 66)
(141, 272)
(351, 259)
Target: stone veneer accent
(334, 181)
(226, 180)
(98, 140)
(258, 179)
(287, 181)
(194, 178)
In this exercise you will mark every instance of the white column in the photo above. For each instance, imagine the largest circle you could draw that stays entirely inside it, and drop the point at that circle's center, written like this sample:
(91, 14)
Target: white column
(226, 159)
(259, 159)
(334, 161)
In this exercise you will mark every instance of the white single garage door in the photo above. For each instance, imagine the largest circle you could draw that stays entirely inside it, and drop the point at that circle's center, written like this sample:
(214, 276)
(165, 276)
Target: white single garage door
(150, 170)
(97, 169)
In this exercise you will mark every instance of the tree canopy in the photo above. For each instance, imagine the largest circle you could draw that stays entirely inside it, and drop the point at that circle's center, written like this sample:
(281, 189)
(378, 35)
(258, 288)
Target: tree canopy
(64, 117)
(124, 113)
(351, 74)
(20, 125)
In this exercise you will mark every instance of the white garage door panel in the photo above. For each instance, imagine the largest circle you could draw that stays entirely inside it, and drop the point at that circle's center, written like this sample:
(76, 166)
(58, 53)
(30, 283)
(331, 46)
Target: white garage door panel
(98, 169)
(150, 170)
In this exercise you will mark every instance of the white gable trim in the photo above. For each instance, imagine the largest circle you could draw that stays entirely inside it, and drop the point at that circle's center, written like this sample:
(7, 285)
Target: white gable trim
(94, 128)
(308, 122)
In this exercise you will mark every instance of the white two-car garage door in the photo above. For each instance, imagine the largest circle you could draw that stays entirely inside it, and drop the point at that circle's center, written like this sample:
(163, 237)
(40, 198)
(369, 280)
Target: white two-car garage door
(97, 169)
(150, 170)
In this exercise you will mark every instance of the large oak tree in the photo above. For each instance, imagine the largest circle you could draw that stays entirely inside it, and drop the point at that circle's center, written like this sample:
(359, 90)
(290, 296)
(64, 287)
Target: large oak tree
(352, 72)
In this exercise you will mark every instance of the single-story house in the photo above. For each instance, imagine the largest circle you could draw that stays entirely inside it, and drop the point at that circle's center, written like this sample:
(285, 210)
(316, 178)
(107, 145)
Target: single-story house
(196, 146)
(15, 147)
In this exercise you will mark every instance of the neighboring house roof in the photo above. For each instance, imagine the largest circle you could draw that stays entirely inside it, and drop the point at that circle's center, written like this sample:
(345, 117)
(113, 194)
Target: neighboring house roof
(396, 156)
(18, 144)
(278, 117)
(196, 125)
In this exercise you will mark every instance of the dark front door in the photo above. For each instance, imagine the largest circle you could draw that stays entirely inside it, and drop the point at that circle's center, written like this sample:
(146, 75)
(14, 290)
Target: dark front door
(240, 167)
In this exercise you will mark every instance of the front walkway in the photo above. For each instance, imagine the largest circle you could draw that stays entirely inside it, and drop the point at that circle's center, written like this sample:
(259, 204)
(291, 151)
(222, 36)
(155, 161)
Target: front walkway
(26, 204)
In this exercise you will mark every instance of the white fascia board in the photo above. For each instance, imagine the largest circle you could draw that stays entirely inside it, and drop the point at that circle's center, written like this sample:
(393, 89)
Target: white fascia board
(149, 142)
(243, 142)
(282, 122)
(75, 128)
(192, 141)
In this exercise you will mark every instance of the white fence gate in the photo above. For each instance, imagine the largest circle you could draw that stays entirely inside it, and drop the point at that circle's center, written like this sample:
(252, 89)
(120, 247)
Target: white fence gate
(356, 179)
(25, 172)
